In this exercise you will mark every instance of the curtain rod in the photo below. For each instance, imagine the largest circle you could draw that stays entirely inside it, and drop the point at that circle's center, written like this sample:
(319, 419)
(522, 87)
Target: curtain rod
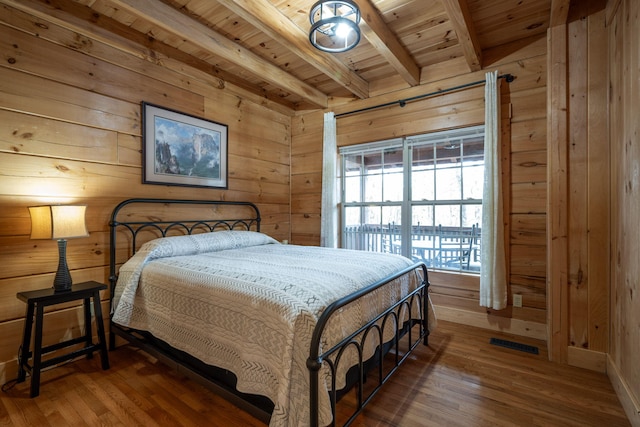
(402, 102)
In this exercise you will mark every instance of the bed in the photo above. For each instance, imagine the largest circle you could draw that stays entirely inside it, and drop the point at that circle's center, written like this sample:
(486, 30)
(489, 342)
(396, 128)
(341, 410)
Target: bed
(283, 331)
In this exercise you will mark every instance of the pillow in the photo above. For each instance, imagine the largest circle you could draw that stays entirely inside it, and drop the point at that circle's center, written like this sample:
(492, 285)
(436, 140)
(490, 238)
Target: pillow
(205, 242)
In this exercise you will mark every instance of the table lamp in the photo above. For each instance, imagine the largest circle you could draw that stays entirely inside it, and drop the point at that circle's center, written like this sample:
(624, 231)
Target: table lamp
(59, 223)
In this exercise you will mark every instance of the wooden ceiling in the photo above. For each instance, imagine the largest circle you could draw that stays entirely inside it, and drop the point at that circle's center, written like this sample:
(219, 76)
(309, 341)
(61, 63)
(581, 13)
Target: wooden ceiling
(262, 46)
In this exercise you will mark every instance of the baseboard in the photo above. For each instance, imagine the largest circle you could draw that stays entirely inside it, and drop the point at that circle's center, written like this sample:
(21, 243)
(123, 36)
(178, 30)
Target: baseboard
(629, 402)
(587, 359)
(494, 323)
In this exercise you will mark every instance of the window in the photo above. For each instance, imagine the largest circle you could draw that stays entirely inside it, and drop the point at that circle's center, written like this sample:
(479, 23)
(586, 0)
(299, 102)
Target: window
(419, 196)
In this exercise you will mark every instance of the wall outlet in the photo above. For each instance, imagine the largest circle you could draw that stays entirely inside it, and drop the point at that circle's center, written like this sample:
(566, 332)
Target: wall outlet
(517, 300)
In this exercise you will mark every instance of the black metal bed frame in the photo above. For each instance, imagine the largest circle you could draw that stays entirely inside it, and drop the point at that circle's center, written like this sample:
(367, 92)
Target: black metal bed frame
(316, 360)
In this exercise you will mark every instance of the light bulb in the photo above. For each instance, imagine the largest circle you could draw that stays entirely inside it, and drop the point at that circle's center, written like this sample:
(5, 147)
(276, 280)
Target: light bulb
(343, 31)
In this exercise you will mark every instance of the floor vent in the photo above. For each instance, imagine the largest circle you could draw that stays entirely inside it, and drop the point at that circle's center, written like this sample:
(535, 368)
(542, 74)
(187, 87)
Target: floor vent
(514, 345)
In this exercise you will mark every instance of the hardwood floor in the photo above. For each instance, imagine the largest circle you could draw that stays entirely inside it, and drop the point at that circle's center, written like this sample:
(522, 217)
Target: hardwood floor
(459, 380)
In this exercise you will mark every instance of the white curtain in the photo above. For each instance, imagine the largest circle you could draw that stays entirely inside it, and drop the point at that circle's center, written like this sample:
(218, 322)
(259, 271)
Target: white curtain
(329, 209)
(493, 280)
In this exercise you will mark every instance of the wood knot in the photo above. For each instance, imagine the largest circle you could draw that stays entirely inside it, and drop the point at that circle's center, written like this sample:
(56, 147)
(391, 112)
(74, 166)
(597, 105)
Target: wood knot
(529, 164)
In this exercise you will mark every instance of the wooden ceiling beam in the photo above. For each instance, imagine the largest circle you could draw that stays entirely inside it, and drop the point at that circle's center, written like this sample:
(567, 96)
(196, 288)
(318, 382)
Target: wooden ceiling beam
(387, 44)
(174, 22)
(458, 12)
(270, 20)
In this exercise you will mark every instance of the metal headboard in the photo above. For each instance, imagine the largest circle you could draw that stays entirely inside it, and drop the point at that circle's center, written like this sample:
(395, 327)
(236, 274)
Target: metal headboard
(185, 227)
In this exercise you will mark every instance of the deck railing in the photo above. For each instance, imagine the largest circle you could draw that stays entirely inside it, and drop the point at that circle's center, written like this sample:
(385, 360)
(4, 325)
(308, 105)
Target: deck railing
(448, 248)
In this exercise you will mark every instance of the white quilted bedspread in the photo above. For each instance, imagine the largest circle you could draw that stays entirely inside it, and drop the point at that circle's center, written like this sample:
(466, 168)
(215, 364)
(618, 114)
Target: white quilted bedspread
(242, 301)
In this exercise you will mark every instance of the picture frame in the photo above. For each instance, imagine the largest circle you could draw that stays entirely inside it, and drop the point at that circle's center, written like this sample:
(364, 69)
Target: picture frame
(181, 149)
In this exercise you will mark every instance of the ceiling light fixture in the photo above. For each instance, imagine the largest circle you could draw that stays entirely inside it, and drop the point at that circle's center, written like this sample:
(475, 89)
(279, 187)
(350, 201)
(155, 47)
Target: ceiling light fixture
(334, 25)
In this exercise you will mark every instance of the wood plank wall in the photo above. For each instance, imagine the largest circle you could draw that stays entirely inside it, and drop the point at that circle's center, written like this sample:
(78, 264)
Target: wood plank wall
(588, 155)
(70, 133)
(578, 221)
(524, 111)
(623, 22)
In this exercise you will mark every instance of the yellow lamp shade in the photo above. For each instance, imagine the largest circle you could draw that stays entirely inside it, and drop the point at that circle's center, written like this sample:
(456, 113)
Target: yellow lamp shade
(58, 222)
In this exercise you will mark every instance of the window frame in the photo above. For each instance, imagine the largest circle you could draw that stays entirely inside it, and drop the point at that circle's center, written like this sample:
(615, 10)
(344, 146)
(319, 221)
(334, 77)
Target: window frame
(407, 205)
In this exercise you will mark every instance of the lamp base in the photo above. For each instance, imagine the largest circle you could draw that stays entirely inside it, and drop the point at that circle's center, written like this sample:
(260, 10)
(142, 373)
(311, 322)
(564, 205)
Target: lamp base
(62, 282)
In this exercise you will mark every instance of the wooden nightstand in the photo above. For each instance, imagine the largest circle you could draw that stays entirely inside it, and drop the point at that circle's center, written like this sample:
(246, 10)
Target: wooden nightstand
(37, 301)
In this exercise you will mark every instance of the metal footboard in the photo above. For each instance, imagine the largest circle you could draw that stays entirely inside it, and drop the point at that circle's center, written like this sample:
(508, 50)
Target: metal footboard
(358, 338)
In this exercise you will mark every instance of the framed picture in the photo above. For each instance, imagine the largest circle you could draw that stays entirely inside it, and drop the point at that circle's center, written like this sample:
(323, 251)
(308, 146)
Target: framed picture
(180, 149)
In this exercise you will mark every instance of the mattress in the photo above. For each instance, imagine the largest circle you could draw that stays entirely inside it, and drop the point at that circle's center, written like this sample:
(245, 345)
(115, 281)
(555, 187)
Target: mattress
(241, 301)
